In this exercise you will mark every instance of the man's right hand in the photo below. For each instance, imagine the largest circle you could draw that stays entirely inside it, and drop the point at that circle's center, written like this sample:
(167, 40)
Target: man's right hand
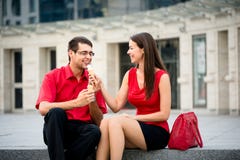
(85, 97)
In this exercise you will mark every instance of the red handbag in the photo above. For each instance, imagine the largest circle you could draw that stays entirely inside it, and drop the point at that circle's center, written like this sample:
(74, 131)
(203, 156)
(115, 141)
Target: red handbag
(185, 133)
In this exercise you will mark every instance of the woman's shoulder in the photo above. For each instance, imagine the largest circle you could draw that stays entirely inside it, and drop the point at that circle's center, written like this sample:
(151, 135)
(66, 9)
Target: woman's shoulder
(132, 70)
(161, 73)
(130, 73)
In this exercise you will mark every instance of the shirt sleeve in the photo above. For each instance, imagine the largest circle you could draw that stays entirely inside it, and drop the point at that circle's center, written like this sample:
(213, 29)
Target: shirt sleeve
(101, 102)
(47, 90)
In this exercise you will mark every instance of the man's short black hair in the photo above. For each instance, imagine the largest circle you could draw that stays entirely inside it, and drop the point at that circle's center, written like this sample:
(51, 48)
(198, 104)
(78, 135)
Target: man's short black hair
(73, 44)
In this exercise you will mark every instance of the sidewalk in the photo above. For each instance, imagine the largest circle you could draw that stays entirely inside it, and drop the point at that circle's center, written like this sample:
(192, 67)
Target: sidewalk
(23, 132)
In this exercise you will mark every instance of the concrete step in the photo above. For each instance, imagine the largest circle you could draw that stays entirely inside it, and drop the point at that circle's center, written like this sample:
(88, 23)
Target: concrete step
(164, 154)
(191, 154)
(21, 139)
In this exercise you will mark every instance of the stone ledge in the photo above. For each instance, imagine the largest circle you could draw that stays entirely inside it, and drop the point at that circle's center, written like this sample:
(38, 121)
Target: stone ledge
(165, 154)
(191, 154)
(28, 154)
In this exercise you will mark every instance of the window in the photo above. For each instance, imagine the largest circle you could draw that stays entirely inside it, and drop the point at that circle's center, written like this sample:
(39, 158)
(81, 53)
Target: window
(18, 23)
(125, 64)
(18, 91)
(18, 98)
(7, 22)
(4, 4)
(169, 50)
(53, 59)
(18, 67)
(32, 6)
(16, 7)
(199, 70)
(32, 20)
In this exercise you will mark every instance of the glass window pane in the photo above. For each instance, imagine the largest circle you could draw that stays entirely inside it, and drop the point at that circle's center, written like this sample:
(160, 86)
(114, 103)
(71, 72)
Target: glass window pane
(53, 59)
(199, 55)
(18, 66)
(125, 64)
(4, 4)
(32, 20)
(32, 7)
(18, 98)
(16, 7)
(169, 52)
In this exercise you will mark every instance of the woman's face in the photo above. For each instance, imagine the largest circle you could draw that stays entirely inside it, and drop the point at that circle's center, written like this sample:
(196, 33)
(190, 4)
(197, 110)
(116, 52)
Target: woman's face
(135, 53)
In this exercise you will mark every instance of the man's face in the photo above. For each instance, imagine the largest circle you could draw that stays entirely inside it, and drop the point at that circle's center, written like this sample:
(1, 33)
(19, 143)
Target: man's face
(82, 57)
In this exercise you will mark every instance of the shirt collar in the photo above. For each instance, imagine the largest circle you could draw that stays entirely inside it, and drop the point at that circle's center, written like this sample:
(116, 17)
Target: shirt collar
(69, 73)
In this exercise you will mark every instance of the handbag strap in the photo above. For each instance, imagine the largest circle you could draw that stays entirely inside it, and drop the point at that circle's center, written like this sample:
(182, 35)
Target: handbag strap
(197, 134)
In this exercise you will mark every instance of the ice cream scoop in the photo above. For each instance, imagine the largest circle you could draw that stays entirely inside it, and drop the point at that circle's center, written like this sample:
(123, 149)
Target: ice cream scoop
(91, 72)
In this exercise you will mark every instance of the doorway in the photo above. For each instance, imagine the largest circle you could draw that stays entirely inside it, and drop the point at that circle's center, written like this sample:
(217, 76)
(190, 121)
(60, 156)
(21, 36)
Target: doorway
(169, 50)
(13, 87)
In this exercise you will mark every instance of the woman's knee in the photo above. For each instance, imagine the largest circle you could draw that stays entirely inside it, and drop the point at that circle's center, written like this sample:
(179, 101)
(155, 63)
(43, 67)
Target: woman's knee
(116, 121)
(104, 124)
(104, 128)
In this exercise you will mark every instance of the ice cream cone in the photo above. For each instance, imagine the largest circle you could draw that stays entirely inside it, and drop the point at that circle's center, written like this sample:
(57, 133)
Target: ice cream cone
(90, 72)
(90, 88)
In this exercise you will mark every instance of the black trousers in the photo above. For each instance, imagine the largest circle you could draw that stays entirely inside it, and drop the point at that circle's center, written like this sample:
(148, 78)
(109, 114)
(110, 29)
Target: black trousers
(69, 140)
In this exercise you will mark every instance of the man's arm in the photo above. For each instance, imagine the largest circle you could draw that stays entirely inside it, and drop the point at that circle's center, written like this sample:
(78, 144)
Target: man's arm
(95, 113)
(82, 100)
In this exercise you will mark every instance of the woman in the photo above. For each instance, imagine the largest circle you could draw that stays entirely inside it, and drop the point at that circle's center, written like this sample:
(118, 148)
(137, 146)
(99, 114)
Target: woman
(147, 87)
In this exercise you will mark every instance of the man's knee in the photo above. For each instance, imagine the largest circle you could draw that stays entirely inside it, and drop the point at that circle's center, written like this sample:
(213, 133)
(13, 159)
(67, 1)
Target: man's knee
(55, 114)
(56, 111)
(96, 133)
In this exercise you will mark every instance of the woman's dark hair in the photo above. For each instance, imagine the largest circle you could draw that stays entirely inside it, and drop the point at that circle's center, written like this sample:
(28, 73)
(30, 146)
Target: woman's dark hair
(151, 59)
(73, 44)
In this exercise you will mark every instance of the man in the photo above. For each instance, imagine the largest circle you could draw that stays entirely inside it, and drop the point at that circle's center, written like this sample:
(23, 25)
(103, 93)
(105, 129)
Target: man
(71, 112)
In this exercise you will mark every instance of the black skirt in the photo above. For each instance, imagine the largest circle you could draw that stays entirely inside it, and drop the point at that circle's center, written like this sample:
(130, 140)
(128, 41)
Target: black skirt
(156, 137)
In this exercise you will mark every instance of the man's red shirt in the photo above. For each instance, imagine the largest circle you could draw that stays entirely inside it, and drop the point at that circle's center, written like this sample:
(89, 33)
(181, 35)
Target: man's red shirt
(60, 85)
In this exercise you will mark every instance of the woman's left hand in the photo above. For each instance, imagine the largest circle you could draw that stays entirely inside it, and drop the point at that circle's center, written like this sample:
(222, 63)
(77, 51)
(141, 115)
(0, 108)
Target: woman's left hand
(129, 116)
(95, 82)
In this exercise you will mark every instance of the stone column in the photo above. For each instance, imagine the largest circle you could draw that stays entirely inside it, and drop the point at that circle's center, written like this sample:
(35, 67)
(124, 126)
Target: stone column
(185, 79)
(222, 71)
(233, 70)
(61, 53)
(211, 76)
(30, 76)
(1, 79)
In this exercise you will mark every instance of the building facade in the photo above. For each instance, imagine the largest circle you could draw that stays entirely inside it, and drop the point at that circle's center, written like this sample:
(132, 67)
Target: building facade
(198, 40)
(21, 12)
